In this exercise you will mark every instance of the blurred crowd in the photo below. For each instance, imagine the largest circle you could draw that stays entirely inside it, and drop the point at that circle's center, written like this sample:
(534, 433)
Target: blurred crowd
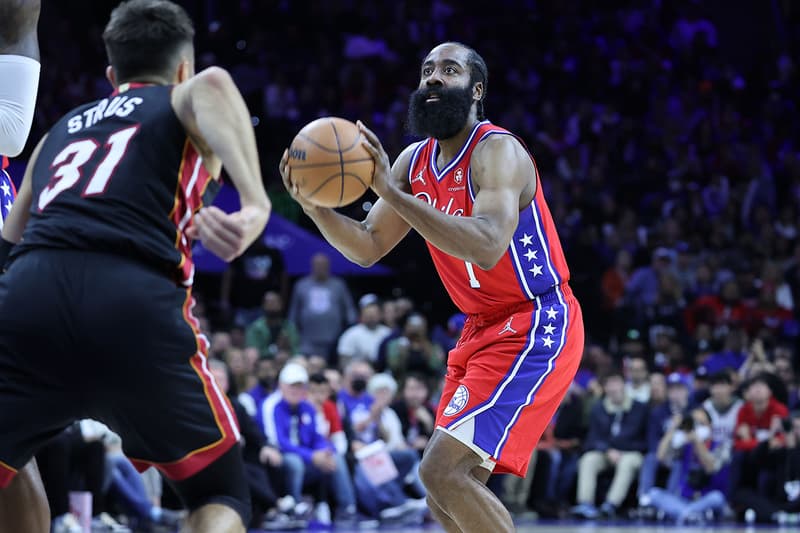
(666, 136)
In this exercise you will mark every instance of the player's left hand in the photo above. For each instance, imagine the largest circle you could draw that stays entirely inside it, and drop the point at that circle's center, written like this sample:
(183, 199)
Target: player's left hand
(382, 176)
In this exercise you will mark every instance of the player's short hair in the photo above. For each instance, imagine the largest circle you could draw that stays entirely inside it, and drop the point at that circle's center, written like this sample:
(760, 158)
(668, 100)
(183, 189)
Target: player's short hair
(145, 37)
(478, 72)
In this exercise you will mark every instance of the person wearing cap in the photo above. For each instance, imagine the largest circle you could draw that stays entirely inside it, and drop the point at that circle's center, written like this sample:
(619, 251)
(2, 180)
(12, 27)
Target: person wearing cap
(361, 341)
(307, 455)
(678, 392)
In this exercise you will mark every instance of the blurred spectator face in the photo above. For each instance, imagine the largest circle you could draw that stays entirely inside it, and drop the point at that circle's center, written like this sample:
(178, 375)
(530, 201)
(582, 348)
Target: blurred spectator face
(236, 362)
(759, 393)
(220, 342)
(614, 389)
(439, 108)
(390, 313)
(784, 370)
(702, 424)
(237, 337)
(658, 388)
(334, 379)
(356, 377)
(415, 392)
(721, 393)
(416, 327)
(318, 393)
(316, 363)
(273, 306)
(294, 393)
(678, 396)
(403, 306)
(266, 373)
(637, 371)
(250, 357)
(320, 267)
(371, 316)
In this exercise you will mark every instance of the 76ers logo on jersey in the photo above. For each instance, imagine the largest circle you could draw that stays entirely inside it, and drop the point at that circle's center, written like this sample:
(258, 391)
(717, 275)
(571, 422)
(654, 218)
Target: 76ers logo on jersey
(458, 402)
(459, 176)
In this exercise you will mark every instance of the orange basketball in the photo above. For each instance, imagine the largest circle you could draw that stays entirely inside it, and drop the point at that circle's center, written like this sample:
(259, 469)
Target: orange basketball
(328, 163)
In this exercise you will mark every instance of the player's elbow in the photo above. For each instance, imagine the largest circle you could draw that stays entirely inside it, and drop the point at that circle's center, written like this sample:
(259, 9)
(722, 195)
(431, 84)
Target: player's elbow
(488, 262)
(12, 145)
(488, 255)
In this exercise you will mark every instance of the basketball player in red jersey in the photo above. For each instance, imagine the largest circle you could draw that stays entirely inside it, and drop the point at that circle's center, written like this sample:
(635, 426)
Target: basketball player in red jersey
(472, 191)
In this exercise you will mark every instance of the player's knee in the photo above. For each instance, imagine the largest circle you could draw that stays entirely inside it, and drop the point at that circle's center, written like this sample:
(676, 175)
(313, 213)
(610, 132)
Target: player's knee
(436, 475)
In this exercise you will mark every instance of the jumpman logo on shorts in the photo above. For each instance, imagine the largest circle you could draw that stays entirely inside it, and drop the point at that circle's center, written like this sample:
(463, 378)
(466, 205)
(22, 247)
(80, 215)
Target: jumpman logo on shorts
(507, 327)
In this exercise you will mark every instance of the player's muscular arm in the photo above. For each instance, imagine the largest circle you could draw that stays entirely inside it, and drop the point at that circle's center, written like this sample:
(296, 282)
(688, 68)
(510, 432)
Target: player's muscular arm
(502, 173)
(215, 116)
(17, 218)
(363, 242)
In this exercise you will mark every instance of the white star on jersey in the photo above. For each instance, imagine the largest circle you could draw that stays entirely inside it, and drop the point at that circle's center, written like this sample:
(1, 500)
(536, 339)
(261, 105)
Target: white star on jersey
(8, 205)
(530, 255)
(549, 329)
(536, 270)
(526, 240)
(551, 313)
(6, 189)
(547, 341)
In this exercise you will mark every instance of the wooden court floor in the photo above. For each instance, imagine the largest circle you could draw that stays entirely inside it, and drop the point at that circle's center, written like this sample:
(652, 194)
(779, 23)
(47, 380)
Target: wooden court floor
(588, 527)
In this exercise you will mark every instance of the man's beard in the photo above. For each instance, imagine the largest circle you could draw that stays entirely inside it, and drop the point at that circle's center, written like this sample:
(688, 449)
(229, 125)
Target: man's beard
(441, 119)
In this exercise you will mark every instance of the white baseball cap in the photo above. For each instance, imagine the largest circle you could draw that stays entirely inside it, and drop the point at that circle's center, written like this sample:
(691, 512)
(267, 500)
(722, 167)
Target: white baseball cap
(293, 373)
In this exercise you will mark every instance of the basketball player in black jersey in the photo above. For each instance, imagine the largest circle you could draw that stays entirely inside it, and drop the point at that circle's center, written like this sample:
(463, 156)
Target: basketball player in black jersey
(95, 306)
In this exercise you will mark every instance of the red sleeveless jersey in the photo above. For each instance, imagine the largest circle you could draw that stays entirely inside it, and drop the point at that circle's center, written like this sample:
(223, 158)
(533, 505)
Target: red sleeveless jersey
(534, 262)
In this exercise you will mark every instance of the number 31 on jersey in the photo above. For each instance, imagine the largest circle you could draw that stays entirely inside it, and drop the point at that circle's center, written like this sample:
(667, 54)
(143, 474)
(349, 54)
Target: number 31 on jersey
(75, 155)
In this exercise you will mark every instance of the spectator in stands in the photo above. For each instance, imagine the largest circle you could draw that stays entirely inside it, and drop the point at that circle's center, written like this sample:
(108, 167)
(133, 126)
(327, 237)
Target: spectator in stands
(638, 385)
(703, 464)
(360, 416)
(321, 308)
(779, 502)
(658, 389)
(414, 351)
(383, 388)
(643, 286)
(785, 371)
(258, 270)
(329, 422)
(263, 464)
(417, 417)
(723, 410)
(758, 421)
(678, 392)
(272, 331)
(616, 440)
(308, 457)
(361, 341)
(447, 337)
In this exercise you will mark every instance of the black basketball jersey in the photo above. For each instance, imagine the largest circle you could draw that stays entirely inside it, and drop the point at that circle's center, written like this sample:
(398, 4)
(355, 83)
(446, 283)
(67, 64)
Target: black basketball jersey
(121, 176)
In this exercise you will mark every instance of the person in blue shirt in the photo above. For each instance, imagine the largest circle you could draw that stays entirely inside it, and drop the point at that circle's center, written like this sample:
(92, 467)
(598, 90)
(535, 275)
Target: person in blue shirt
(290, 420)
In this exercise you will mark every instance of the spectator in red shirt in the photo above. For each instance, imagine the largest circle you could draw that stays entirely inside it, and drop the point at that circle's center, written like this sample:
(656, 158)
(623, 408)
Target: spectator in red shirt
(329, 423)
(757, 424)
(725, 309)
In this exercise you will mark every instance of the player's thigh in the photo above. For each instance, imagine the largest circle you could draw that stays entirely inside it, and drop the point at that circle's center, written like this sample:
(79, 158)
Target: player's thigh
(40, 385)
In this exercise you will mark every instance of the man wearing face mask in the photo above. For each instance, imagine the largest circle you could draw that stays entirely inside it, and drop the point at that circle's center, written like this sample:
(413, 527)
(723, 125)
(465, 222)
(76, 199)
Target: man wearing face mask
(272, 332)
(704, 468)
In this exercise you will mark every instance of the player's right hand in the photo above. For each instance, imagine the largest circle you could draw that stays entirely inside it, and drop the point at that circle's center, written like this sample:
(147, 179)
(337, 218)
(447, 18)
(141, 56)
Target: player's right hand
(294, 191)
(223, 234)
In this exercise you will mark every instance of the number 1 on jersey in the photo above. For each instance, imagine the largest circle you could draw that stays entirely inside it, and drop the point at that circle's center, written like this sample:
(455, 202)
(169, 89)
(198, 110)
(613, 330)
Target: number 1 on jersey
(69, 161)
(473, 281)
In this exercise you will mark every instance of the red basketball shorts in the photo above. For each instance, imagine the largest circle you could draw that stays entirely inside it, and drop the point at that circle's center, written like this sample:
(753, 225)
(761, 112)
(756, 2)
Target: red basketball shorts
(507, 376)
